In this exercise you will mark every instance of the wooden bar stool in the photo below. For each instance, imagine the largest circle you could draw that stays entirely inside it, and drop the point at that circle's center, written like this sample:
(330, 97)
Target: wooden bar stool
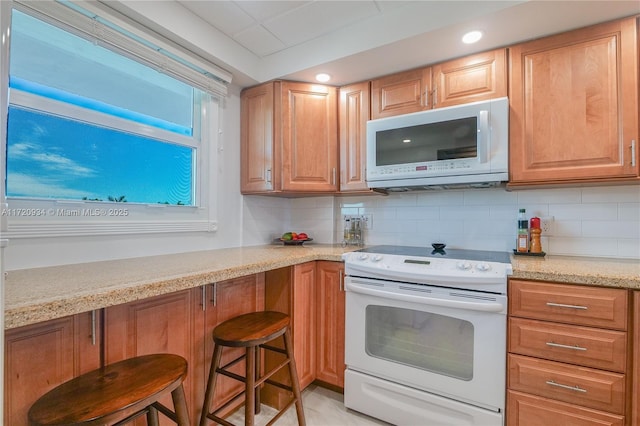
(252, 331)
(117, 394)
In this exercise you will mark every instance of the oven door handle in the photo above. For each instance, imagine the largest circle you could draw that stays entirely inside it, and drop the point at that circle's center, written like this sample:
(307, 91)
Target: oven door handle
(425, 299)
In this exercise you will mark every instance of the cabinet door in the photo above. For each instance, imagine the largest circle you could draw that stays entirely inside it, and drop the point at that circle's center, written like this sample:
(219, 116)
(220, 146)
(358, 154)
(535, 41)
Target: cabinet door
(353, 116)
(401, 93)
(223, 301)
(570, 304)
(309, 138)
(574, 105)
(291, 290)
(257, 131)
(635, 393)
(160, 324)
(331, 299)
(530, 410)
(42, 356)
(304, 321)
(472, 78)
(588, 387)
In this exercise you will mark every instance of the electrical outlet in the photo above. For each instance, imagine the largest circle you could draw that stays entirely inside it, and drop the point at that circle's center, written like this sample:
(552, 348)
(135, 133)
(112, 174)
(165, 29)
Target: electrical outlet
(546, 225)
(367, 220)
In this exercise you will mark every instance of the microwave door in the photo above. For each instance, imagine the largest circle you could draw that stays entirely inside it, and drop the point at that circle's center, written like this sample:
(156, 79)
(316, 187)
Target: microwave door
(483, 136)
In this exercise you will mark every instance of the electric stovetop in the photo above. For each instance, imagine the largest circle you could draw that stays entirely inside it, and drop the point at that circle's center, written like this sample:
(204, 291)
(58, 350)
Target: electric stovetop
(446, 253)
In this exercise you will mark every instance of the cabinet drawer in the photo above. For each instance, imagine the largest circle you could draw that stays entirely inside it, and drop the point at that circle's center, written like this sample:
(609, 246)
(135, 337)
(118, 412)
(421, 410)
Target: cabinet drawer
(572, 304)
(584, 386)
(529, 410)
(590, 347)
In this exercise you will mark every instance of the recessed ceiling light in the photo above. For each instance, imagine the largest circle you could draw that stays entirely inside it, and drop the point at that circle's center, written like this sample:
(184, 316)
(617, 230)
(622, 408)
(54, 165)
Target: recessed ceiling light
(323, 77)
(406, 140)
(472, 37)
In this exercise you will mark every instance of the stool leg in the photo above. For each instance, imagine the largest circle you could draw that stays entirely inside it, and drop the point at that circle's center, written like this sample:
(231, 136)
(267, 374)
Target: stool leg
(250, 394)
(257, 376)
(152, 416)
(180, 406)
(295, 385)
(211, 385)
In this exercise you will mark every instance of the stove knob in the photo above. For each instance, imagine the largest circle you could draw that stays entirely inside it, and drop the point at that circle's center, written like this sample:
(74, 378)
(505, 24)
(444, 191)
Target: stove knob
(464, 265)
(363, 256)
(483, 267)
(377, 258)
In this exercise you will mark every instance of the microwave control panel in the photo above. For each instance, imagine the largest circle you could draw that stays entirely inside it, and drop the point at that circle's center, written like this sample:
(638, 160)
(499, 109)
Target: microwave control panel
(436, 168)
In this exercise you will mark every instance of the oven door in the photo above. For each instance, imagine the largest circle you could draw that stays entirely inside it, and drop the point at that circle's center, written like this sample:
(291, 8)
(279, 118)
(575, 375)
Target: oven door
(441, 340)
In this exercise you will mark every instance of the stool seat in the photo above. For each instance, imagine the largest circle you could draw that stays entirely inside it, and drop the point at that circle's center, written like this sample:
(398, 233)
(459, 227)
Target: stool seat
(112, 393)
(251, 329)
(253, 332)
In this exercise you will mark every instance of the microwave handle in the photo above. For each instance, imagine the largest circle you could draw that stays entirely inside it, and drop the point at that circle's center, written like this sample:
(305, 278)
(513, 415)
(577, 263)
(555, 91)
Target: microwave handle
(483, 136)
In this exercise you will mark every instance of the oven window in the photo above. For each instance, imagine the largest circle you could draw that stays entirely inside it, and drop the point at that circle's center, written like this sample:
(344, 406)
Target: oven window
(446, 140)
(428, 341)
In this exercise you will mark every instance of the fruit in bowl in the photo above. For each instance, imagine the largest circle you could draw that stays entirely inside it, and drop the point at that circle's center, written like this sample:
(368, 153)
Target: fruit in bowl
(294, 238)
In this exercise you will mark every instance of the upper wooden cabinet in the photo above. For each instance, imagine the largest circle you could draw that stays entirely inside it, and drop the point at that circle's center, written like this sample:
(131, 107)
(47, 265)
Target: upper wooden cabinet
(258, 131)
(401, 93)
(289, 138)
(574, 106)
(353, 113)
(473, 78)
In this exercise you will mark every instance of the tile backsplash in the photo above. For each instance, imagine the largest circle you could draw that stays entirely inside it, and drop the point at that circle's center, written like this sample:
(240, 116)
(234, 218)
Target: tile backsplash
(595, 221)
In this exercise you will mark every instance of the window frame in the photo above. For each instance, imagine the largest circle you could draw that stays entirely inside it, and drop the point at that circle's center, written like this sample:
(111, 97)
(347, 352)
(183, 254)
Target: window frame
(35, 217)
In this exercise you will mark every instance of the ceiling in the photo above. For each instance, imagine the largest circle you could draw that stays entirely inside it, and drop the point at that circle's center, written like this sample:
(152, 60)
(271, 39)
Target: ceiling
(355, 40)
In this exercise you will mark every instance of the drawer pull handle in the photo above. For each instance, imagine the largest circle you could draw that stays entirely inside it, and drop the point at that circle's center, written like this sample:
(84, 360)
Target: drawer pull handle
(562, 305)
(559, 345)
(560, 385)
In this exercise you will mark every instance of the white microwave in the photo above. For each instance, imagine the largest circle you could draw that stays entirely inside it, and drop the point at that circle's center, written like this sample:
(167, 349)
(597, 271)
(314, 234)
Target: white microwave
(462, 145)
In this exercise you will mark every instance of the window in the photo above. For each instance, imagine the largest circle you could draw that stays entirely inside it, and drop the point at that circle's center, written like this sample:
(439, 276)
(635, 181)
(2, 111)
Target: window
(99, 141)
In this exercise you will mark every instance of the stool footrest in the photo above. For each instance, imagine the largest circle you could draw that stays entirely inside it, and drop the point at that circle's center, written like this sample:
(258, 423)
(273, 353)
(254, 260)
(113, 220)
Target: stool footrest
(234, 362)
(219, 420)
(230, 374)
(273, 349)
(282, 411)
(164, 410)
(279, 385)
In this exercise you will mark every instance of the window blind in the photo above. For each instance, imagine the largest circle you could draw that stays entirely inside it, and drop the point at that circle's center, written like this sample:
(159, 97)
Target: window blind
(115, 32)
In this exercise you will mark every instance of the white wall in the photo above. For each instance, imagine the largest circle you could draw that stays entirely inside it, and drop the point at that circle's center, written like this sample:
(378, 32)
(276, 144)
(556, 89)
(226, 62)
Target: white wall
(596, 221)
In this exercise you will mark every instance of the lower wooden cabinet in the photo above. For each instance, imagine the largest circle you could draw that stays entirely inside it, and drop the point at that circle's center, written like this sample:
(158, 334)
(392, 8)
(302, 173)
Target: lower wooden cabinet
(635, 392)
(291, 290)
(568, 360)
(161, 324)
(42, 356)
(219, 302)
(330, 314)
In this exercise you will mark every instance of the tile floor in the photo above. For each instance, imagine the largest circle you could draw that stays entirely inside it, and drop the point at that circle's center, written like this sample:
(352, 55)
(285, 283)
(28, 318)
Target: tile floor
(322, 407)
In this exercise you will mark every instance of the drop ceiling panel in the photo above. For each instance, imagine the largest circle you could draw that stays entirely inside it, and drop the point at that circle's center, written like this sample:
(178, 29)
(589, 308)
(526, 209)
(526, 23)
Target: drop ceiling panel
(224, 15)
(318, 18)
(259, 41)
(261, 10)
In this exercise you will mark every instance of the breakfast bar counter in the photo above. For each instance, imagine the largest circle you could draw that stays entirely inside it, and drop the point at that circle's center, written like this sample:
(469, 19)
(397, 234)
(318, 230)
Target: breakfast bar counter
(40, 294)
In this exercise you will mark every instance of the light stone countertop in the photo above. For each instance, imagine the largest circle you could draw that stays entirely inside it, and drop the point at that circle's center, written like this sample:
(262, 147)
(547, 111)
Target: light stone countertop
(40, 294)
(607, 272)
